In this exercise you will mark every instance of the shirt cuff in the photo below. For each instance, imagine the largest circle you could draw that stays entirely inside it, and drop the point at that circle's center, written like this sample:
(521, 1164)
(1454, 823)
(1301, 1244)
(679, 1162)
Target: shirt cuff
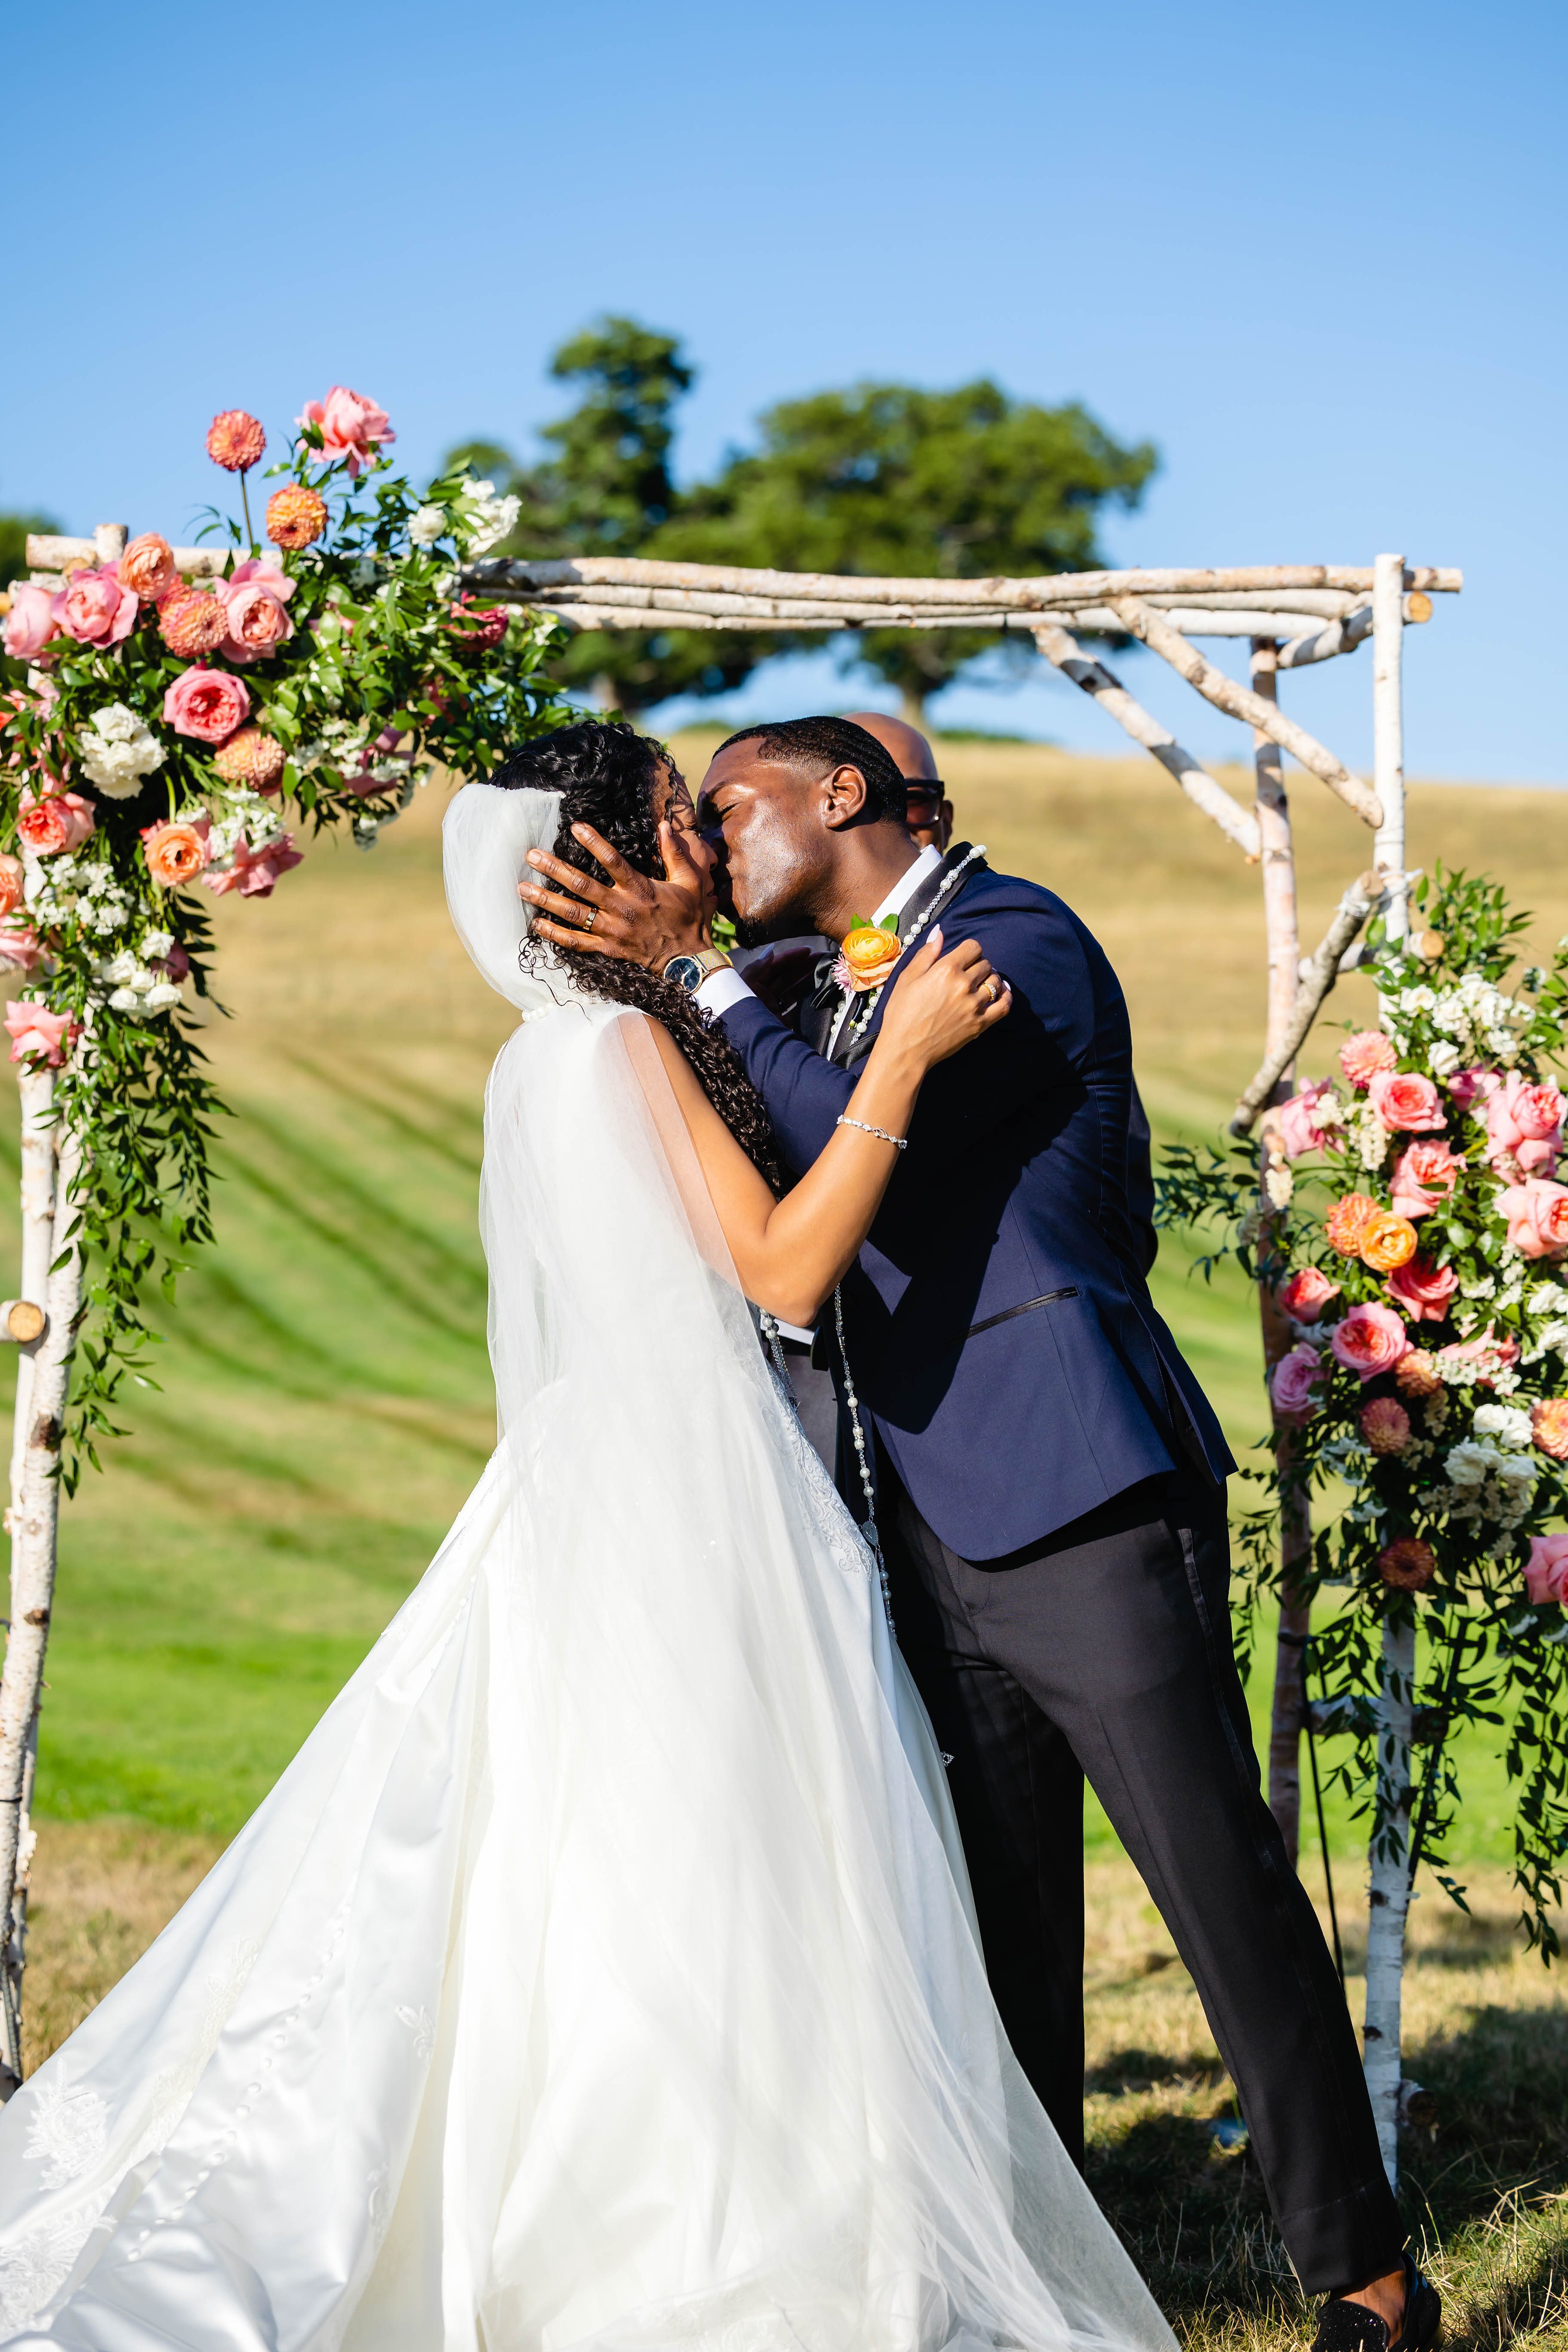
(722, 990)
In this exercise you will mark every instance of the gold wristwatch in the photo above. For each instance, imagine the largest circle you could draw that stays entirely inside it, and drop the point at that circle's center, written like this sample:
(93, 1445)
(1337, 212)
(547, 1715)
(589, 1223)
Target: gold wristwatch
(690, 971)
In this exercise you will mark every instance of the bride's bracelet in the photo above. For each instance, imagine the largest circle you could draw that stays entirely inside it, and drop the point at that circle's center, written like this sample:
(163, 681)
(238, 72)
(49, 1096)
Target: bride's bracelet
(900, 1142)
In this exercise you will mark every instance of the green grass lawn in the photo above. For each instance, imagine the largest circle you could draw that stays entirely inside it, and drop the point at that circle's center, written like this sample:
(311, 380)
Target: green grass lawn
(325, 1399)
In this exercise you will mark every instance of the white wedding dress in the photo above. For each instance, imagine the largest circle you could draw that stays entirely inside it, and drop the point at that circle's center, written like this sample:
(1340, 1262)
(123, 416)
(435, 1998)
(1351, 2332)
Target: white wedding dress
(601, 1973)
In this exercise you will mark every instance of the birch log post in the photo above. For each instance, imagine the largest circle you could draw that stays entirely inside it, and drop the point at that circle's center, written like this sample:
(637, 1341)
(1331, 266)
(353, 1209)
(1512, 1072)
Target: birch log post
(1282, 933)
(34, 1547)
(1388, 1896)
(1320, 972)
(1241, 703)
(1062, 649)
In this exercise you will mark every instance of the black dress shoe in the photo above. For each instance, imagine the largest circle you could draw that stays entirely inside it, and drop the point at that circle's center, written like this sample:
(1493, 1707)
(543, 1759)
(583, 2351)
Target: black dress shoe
(1350, 2327)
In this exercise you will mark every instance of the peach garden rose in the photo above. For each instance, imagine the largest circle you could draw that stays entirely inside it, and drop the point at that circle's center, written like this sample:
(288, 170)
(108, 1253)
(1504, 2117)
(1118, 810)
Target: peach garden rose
(1537, 1213)
(1305, 1293)
(95, 609)
(30, 624)
(1404, 1099)
(206, 703)
(1369, 1340)
(177, 851)
(59, 822)
(352, 428)
(147, 568)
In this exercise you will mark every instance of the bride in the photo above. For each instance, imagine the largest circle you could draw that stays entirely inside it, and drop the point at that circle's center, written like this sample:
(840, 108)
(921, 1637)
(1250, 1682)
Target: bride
(602, 1971)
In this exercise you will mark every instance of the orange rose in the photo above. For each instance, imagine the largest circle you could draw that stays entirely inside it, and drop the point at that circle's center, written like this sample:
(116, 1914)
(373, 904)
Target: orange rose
(870, 954)
(147, 568)
(176, 853)
(1388, 1241)
(1347, 1220)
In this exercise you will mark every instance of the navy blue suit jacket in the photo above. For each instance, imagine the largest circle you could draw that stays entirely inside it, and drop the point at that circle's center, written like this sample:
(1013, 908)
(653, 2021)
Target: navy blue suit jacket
(1000, 1330)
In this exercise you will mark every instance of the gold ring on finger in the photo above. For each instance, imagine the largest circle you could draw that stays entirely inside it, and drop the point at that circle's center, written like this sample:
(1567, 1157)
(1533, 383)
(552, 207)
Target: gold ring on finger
(593, 913)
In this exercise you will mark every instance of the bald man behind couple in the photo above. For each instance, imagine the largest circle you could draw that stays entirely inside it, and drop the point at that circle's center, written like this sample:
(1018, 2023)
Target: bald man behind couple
(1048, 1476)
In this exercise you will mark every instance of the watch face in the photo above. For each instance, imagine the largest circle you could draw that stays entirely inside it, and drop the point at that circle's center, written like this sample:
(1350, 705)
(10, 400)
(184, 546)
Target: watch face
(684, 970)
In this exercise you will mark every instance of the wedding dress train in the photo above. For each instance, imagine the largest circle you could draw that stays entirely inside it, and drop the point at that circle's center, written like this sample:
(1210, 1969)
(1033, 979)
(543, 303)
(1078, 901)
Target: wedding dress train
(601, 1973)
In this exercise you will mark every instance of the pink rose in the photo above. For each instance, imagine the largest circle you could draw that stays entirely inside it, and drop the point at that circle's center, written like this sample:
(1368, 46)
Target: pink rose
(62, 821)
(34, 1029)
(1369, 1340)
(1306, 1292)
(1404, 1099)
(255, 871)
(1465, 1085)
(93, 608)
(1304, 1119)
(1546, 1570)
(1423, 1289)
(352, 428)
(1291, 1382)
(30, 624)
(206, 703)
(260, 572)
(1424, 1175)
(21, 949)
(13, 884)
(1525, 1123)
(1537, 1213)
(257, 624)
(1363, 1055)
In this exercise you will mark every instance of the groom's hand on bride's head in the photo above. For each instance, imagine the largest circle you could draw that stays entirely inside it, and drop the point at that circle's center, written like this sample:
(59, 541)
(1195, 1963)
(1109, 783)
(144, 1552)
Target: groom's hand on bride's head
(632, 915)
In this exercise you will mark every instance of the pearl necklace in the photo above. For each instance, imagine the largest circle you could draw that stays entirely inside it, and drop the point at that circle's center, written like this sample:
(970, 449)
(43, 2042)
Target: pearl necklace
(873, 995)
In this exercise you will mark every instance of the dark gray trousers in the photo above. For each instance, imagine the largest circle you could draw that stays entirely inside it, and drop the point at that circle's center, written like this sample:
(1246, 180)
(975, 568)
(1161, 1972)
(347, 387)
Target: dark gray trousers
(1106, 1650)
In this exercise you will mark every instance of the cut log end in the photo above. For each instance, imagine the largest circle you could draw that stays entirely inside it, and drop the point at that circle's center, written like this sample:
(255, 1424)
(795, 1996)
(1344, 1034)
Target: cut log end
(22, 1321)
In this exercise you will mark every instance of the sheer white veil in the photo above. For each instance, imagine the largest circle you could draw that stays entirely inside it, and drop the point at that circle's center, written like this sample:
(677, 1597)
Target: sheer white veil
(485, 840)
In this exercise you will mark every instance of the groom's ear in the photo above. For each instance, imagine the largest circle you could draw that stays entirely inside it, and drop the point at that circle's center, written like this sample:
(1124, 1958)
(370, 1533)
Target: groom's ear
(844, 797)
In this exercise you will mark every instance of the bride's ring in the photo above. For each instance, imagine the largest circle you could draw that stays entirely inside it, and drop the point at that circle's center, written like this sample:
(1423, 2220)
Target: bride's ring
(588, 926)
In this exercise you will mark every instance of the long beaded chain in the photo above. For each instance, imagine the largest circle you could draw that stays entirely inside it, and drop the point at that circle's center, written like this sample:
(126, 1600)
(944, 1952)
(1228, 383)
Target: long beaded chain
(857, 1028)
(868, 1484)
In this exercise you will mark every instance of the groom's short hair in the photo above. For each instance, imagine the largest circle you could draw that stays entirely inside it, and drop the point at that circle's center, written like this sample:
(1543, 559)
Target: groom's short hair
(818, 746)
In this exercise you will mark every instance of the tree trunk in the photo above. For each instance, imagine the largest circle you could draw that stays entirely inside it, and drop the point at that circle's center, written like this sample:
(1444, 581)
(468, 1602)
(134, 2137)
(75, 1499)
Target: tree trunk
(912, 706)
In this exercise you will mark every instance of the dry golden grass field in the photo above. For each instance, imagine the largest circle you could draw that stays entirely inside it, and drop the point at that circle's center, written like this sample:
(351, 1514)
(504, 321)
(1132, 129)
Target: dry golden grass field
(325, 1405)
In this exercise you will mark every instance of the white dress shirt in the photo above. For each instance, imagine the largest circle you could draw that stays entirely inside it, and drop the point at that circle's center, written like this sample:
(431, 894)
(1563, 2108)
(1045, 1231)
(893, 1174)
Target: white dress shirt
(726, 987)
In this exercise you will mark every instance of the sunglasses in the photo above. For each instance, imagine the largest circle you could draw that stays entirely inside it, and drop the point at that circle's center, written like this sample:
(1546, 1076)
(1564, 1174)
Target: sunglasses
(927, 795)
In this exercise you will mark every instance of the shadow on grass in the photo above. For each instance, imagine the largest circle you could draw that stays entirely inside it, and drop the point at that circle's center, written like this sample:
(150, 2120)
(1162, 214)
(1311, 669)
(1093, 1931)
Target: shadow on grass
(1485, 2191)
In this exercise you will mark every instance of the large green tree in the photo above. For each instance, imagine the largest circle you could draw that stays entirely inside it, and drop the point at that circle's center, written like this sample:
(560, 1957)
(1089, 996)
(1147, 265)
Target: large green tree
(886, 479)
(606, 488)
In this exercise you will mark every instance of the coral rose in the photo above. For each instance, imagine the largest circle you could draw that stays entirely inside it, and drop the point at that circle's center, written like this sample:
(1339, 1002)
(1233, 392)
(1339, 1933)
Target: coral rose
(1370, 1341)
(206, 703)
(1347, 1221)
(21, 949)
(1524, 1123)
(235, 440)
(30, 624)
(1306, 1292)
(351, 428)
(1385, 1425)
(192, 623)
(1363, 1055)
(478, 630)
(1465, 1085)
(1549, 1424)
(1424, 1175)
(1537, 1213)
(1547, 1567)
(1417, 1374)
(147, 568)
(1291, 1382)
(1303, 1121)
(867, 956)
(60, 822)
(34, 1030)
(13, 884)
(177, 851)
(1404, 1099)
(95, 609)
(1423, 1289)
(254, 873)
(1388, 1241)
(250, 758)
(296, 517)
(1407, 1564)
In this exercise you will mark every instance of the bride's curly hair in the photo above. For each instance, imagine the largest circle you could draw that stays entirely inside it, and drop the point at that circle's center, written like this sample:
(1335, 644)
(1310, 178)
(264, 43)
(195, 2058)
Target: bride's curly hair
(608, 777)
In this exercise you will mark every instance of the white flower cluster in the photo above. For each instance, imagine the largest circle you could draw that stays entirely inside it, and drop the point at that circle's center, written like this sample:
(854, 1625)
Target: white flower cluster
(485, 517)
(118, 751)
(1370, 1138)
(428, 525)
(1481, 1021)
(135, 989)
(85, 888)
(240, 810)
(1489, 1478)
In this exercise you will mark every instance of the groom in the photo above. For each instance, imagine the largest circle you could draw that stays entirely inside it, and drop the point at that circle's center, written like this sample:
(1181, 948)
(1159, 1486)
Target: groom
(1049, 1475)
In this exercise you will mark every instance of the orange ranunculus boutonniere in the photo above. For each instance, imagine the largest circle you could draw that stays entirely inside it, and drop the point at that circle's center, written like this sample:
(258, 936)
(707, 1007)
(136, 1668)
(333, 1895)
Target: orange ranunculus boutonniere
(869, 954)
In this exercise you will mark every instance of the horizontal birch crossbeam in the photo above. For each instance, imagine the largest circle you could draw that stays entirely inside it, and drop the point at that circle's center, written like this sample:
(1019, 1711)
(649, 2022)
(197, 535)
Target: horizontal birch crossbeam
(1061, 647)
(1365, 893)
(1241, 702)
(674, 609)
(47, 551)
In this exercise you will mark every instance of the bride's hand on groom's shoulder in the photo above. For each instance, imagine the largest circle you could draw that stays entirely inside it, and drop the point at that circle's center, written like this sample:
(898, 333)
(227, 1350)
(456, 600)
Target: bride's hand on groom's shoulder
(632, 916)
(942, 1002)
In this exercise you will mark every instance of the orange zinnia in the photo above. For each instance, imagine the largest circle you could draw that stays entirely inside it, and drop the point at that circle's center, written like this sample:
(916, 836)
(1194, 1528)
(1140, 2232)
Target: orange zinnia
(295, 517)
(1388, 1241)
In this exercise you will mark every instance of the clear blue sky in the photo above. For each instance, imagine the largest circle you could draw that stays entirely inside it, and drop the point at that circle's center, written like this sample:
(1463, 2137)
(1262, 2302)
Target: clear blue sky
(1315, 253)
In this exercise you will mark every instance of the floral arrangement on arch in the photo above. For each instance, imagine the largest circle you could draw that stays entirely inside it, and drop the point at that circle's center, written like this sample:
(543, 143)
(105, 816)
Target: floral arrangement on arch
(177, 736)
(1413, 1230)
